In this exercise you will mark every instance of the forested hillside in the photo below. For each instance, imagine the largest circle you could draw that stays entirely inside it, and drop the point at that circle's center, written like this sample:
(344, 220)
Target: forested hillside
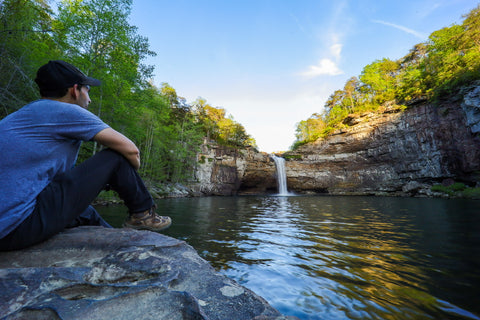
(95, 36)
(431, 71)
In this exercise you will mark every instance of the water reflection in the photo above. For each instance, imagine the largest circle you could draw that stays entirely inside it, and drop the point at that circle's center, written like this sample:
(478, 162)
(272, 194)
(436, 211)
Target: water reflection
(342, 257)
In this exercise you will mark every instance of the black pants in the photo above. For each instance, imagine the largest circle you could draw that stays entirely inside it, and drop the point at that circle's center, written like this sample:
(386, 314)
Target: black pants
(65, 202)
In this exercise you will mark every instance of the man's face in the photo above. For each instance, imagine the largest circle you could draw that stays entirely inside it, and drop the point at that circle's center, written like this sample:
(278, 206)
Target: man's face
(83, 98)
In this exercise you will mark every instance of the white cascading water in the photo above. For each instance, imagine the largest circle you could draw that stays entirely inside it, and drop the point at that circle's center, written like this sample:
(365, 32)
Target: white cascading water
(281, 175)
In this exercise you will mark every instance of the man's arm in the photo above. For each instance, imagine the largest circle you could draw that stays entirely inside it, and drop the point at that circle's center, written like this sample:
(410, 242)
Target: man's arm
(115, 140)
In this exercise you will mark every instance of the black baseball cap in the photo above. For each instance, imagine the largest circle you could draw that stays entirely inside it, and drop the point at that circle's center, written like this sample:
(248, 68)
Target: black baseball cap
(58, 74)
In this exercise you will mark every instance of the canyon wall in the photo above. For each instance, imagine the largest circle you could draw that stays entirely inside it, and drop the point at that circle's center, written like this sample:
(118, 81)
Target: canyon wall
(393, 151)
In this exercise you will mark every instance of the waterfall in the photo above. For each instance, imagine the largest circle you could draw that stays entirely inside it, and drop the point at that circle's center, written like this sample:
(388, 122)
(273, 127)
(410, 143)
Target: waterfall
(281, 175)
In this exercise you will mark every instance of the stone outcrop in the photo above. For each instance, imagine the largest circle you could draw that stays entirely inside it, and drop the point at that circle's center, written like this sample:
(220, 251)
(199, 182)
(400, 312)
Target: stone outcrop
(228, 171)
(259, 176)
(97, 273)
(218, 170)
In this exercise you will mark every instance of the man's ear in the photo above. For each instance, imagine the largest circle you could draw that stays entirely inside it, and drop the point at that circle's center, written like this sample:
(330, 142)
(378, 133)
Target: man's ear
(73, 91)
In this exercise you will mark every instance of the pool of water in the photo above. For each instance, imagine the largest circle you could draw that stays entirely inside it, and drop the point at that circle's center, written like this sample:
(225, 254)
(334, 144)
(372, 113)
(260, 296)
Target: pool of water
(329, 257)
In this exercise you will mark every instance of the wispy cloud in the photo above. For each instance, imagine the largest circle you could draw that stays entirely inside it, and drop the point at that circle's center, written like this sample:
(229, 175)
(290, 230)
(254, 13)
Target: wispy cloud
(407, 30)
(336, 50)
(297, 22)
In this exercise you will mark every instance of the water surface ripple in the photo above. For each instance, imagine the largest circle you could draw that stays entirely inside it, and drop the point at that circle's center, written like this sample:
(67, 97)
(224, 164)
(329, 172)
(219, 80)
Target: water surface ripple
(342, 257)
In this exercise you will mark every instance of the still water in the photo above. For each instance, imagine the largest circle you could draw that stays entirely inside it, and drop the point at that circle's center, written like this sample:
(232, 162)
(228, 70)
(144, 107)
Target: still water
(328, 257)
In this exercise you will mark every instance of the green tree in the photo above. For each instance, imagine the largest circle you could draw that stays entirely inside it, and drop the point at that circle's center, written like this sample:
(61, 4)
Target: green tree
(453, 55)
(153, 118)
(170, 95)
(183, 149)
(209, 118)
(178, 105)
(216, 125)
(411, 84)
(443, 60)
(469, 44)
(25, 44)
(335, 99)
(310, 129)
(351, 90)
(96, 36)
(379, 79)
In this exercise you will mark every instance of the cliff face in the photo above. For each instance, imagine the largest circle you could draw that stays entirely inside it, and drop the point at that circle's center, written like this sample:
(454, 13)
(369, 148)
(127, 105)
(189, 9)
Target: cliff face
(218, 170)
(395, 151)
(228, 171)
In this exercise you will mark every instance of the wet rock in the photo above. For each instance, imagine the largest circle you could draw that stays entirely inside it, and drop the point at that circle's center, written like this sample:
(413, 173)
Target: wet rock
(98, 273)
(413, 188)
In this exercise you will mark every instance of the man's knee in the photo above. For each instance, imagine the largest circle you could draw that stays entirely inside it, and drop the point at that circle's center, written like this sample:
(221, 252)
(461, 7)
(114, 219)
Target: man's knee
(113, 156)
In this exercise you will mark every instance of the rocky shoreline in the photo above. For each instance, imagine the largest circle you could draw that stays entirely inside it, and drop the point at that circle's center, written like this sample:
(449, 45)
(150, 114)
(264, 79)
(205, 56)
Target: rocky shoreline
(447, 190)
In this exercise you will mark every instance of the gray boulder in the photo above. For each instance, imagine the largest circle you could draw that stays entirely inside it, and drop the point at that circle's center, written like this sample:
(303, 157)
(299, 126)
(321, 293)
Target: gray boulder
(99, 273)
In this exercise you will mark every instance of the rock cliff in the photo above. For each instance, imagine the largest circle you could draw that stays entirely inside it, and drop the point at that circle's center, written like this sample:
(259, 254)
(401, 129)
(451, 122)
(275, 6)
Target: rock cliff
(228, 171)
(97, 273)
(396, 151)
(390, 152)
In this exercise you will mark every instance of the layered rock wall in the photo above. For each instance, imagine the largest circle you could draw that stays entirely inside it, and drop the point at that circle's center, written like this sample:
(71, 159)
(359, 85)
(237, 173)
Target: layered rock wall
(228, 171)
(395, 151)
(218, 170)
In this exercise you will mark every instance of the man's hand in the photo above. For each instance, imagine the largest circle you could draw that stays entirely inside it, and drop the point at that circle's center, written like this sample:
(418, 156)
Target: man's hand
(115, 140)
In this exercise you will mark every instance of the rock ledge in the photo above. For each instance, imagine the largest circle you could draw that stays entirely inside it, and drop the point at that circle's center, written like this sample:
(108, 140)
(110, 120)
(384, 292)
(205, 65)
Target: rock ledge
(98, 273)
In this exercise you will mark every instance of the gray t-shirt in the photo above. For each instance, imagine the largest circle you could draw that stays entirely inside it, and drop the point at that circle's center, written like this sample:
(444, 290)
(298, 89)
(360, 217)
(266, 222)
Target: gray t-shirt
(38, 142)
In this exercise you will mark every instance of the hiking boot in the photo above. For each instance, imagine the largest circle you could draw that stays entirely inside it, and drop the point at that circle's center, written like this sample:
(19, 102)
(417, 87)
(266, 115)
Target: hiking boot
(148, 220)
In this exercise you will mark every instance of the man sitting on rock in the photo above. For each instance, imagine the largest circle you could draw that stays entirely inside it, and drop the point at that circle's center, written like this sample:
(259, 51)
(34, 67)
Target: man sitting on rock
(41, 191)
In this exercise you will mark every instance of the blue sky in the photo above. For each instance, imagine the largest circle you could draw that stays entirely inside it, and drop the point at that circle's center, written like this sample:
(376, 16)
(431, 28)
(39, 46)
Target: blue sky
(273, 63)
